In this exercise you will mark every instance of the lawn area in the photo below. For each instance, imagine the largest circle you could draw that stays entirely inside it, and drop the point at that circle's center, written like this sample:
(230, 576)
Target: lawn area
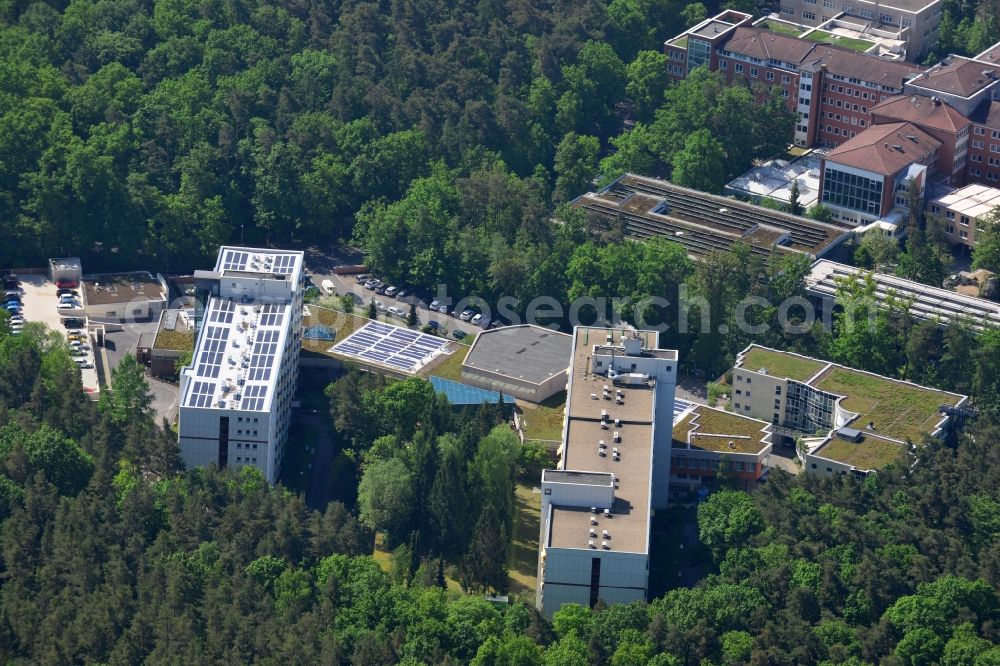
(897, 409)
(451, 367)
(544, 421)
(871, 453)
(522, 559)
(680, 43)
(859, 45)
(780, 364)
(781, 28)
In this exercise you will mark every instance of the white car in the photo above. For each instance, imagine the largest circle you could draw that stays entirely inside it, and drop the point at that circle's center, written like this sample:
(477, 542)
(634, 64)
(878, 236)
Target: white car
(67, 306)
(467, 315)
(391, 290)
(396, 312)
(477, 320)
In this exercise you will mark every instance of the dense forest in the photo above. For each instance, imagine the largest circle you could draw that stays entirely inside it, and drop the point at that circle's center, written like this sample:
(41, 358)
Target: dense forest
(108, 554)
(144, 134)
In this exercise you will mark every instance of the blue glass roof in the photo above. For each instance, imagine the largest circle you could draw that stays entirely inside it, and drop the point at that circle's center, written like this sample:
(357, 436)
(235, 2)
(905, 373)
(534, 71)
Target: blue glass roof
(463, 394)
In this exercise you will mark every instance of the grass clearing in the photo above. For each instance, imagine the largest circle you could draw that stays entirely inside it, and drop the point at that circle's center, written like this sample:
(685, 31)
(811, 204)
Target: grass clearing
(859, 45)
(898, 410)
(780, 364)
(870, 453)
(522, 558)
(545, 420)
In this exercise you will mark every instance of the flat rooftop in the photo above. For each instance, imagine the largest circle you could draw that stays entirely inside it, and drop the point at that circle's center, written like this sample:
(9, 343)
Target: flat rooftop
(971, 200)
(871, 453)
(704, 223)
(174, 331)
(580, 478)
(898, 409)
(122, 288)
(528, 353)
(629, 524)
(720, 431)
(926, 302)
(780, 364)
(263, 262)
(710, 29)
(237, 357)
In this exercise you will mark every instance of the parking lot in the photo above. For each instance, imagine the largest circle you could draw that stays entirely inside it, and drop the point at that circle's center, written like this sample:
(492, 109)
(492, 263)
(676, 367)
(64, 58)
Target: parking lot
(346, 284)
(40, 303)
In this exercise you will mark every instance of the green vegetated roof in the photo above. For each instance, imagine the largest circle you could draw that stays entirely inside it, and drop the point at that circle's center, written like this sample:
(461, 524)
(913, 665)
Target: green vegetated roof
(781, 28)
(897, 409)
(780, 364)
(870, 453)
(181, 341)
(343, 324)
(860, 45)
(719, 422)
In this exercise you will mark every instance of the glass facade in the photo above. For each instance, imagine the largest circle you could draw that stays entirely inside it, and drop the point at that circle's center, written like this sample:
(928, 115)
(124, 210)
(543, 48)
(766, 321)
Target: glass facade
(699, 53)
(808, 409)
(853, 192)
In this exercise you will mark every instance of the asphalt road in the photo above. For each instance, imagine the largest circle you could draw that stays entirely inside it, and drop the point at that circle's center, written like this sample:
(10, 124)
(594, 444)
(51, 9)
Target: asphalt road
(344, 284)
(119, 344)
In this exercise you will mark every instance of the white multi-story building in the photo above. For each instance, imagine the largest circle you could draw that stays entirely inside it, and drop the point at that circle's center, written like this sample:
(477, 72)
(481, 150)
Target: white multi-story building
(236, 396)
(614, 470)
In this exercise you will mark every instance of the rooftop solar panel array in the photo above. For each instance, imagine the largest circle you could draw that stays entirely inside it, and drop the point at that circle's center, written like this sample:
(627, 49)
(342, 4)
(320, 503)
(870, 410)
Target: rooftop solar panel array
(391, 346)
(201, 394)
(267, 262)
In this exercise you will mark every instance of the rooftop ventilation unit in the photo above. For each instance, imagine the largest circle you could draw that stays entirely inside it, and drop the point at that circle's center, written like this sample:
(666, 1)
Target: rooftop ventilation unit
(606, 545)
(606, 535)
(591, 543)
(593, 509)
(607, 513)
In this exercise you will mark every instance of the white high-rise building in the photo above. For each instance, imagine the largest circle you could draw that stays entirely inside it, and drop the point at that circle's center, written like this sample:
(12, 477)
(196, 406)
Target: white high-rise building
(236, 396)
(614, 470)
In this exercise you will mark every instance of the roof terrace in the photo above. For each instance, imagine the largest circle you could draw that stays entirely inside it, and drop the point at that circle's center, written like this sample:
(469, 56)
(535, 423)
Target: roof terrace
(720, 431)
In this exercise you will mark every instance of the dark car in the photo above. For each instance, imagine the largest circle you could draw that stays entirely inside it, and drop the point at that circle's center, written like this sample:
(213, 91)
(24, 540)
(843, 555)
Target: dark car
(67, 292)
(381, 288)
(72, 322)
(459, 334)
(433, 324)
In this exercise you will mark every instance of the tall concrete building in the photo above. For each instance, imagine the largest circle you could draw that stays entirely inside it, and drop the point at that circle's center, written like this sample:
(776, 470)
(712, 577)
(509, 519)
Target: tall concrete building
(236, 396)
(614, 470)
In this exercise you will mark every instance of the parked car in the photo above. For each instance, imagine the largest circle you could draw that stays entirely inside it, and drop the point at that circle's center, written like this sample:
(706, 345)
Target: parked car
(11, 282)
(68, 299)
(361, 279)
(83, 363)
(396, 312)
(434, 305)
(67, 292)
(372, 283)
(73, 322)
(444, 309)
(67, 305)
(433, 324)
(477, 320)
(467, 315)
(379, 305)
(67, 284)
(401, 293)
(381, 288)
(495, 324)
(458, 334)
(16, 319)
(391, 291)
(328, 288)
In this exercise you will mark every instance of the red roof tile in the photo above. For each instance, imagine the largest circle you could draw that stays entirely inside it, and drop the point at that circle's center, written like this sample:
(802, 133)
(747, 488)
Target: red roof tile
(885, 149)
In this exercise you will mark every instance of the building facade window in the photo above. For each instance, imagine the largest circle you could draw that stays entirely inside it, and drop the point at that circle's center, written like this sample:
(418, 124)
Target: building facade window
(848, 190)
(809, 16)
(699, 53)
(739, 68)
(886, 18)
